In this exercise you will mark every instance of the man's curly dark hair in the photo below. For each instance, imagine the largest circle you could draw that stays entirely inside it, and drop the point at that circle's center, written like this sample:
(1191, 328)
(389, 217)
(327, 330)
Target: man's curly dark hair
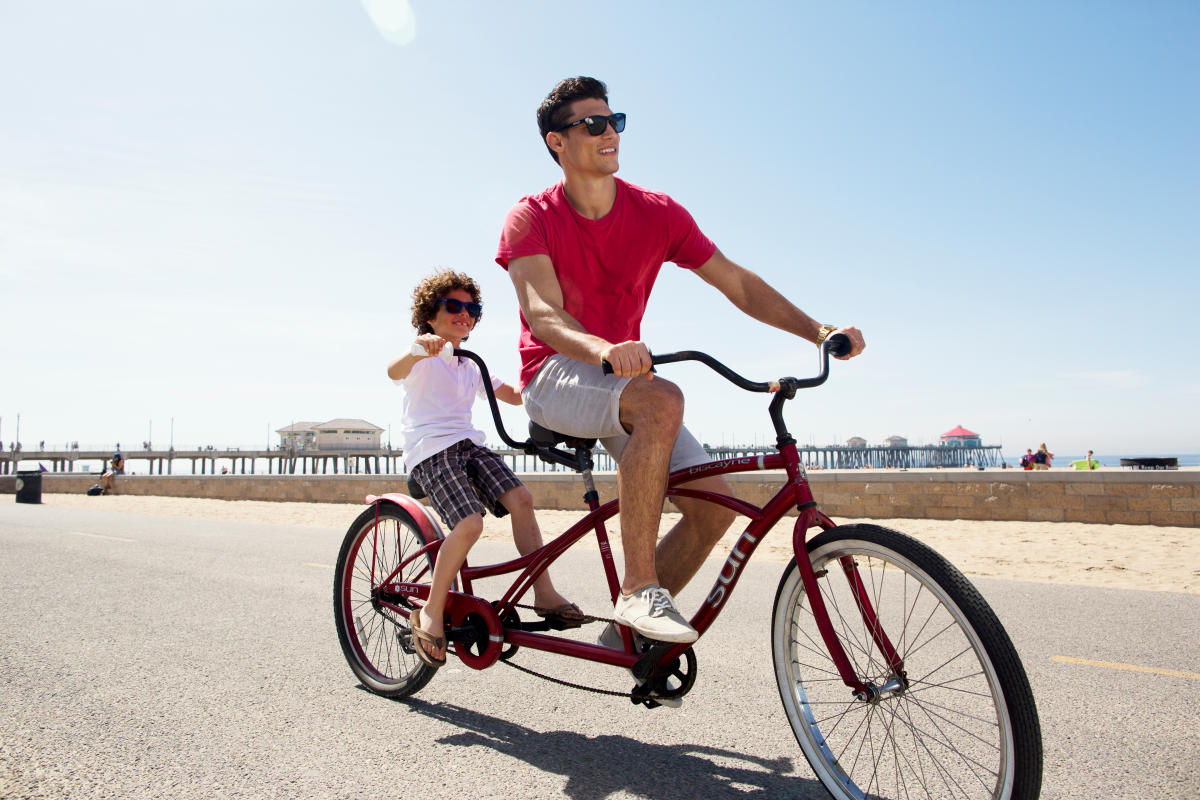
(555, 110)
(432, 289)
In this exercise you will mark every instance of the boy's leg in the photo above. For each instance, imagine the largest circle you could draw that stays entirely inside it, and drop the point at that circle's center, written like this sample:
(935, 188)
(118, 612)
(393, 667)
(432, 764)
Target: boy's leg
(445, 480)
(527, 535)
(450, 558)
(498, 486)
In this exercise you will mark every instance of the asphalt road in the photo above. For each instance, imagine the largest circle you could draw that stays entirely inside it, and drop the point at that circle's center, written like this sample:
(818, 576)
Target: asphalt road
(164, 657)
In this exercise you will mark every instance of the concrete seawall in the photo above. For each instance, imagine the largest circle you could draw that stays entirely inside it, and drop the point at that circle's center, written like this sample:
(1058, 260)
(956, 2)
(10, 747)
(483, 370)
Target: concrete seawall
(1107, 496)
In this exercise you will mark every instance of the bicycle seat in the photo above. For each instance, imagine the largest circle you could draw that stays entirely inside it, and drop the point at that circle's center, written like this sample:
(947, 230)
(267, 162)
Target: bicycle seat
(415, 490)
(548, 438)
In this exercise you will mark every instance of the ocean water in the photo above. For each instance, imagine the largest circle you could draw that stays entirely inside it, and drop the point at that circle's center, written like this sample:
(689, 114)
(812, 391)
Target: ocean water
(1060, 460)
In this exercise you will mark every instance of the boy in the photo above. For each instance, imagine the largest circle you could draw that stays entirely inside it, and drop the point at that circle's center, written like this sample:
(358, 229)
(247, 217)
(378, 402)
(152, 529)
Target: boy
(439, 443)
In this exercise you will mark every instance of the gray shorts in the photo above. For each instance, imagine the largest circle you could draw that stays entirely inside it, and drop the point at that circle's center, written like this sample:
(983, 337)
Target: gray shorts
(578, 399)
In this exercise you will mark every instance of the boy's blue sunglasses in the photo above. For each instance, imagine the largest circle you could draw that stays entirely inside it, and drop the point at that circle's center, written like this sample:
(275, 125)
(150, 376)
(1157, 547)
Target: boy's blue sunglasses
(597, 124)
(454, 306)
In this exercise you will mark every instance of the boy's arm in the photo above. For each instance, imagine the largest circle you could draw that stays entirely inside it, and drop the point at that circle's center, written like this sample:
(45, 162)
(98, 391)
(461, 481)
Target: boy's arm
(398, 370)
(508, 394)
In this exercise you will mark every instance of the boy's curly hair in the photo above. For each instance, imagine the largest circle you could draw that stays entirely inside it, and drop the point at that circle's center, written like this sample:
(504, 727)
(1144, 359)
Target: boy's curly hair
(432, 289)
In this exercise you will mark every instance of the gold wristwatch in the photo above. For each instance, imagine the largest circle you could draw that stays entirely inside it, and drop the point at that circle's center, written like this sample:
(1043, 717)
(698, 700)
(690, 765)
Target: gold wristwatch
(824, 332)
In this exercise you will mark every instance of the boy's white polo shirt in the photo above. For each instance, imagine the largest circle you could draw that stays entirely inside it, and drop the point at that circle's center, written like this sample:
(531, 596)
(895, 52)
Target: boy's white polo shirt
(437, 407)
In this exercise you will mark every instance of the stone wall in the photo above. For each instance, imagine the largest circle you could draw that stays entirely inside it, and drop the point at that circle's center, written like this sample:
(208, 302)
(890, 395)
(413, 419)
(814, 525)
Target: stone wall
(1113, 496)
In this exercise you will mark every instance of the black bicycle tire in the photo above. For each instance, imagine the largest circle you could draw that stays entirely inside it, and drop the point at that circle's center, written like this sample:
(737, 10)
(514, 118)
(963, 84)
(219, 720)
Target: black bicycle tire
(1010, 673)
(421, 674)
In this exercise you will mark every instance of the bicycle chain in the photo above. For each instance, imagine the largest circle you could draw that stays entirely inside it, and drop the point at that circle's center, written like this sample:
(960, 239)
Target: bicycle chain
(568, 684)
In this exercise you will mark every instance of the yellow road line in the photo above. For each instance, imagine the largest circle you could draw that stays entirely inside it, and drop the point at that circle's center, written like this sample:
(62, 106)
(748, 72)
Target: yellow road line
(98, 536)
(315, 564)
(1174, 673)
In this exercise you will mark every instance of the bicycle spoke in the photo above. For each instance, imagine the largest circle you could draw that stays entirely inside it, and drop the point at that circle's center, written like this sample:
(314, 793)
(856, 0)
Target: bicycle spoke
(939, 729)
(372, 630)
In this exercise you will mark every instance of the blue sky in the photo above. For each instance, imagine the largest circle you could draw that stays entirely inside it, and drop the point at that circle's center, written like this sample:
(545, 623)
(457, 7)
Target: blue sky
(214, 212)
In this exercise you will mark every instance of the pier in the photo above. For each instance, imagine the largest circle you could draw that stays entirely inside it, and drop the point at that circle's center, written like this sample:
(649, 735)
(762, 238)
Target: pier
(389, 461)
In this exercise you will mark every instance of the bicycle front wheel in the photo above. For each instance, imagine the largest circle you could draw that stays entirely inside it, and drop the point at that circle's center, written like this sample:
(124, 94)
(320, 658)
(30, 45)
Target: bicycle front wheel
(957, 721)
(377, 641)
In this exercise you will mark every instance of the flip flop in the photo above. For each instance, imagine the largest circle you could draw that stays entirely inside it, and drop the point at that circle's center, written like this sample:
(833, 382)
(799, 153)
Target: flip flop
(568, 615)
(420, 636)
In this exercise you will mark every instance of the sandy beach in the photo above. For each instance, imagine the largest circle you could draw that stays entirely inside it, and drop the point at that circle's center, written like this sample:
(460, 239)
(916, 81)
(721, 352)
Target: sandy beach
(1143, 557)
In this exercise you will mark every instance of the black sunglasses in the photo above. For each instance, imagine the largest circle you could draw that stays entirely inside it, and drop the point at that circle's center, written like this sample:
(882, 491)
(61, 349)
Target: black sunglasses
(597, 124)
(454, 306)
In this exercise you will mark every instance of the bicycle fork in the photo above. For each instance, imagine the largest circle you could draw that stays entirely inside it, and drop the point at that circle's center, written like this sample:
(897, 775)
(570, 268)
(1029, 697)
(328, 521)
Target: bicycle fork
(866, 691)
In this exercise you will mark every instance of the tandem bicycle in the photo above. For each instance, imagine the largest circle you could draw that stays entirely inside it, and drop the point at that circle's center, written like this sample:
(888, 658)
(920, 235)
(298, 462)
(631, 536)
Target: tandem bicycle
(897, 678)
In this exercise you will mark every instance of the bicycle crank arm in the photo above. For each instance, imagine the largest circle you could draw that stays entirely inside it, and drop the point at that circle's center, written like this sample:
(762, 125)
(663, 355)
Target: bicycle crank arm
(468, 634)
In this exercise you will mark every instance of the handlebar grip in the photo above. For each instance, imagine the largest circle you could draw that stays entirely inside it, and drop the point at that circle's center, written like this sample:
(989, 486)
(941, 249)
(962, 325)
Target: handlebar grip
(839, 345)
(445, 354)
(607, 369)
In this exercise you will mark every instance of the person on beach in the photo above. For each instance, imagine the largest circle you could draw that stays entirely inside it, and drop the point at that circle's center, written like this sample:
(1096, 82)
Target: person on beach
(444, 452)
(1027, 459)
(1042, 458)
(116, 467)
(583, 256)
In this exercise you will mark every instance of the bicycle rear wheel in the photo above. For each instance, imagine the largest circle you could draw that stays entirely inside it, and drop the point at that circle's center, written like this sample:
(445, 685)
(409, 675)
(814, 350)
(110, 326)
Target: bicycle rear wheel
(377, 641)
(958, 722)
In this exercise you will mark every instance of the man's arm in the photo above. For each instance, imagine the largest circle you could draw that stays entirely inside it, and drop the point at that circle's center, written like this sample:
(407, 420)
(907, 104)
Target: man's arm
(756, 298)
(541, 299)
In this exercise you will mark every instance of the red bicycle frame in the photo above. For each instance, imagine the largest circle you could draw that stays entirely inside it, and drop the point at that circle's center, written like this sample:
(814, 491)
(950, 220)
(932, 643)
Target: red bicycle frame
(795, 494)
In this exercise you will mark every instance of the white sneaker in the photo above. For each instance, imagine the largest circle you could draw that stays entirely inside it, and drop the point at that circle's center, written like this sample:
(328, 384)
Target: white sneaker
(651, 612)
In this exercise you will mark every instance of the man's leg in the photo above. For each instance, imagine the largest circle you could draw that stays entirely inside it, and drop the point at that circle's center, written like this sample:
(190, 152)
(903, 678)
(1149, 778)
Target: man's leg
(652, 412)
(644, 416)
(682, 551)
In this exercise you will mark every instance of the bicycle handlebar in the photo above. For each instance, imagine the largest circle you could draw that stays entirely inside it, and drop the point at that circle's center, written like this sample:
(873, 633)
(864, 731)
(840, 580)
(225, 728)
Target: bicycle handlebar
(785, 389)
(837, 345)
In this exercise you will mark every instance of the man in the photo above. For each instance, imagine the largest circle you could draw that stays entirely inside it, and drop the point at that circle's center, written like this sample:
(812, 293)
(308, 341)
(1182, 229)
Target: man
(583, 256)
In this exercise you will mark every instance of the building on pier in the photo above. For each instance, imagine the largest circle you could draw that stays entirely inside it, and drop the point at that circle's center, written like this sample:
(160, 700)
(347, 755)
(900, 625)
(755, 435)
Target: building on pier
(335, 435)
(298, 436)
(960, 437)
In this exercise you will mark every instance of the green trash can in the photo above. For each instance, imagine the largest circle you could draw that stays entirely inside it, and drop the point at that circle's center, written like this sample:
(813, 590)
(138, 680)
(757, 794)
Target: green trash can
(29, 486)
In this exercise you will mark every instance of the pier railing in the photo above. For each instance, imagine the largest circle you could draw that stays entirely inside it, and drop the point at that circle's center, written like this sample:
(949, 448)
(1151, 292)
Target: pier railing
(391, 461)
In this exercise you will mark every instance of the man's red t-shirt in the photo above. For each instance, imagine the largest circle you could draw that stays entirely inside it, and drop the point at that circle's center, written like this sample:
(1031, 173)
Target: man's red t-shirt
(606, 267)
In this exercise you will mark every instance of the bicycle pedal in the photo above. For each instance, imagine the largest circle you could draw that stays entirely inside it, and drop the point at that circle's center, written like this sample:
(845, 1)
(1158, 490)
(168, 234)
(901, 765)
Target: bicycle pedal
(651, 700)
(560, 624)
(643, 668)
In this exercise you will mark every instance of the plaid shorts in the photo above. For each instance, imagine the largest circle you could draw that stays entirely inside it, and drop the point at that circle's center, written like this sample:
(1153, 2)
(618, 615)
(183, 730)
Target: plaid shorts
(465, 479)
